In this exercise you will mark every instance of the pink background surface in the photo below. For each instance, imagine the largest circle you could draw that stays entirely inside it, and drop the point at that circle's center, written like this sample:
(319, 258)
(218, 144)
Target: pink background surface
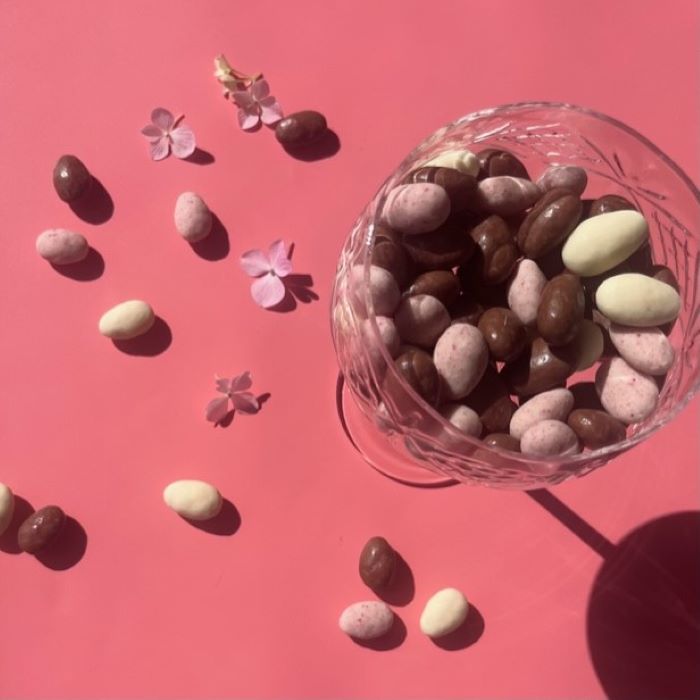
(157, 608)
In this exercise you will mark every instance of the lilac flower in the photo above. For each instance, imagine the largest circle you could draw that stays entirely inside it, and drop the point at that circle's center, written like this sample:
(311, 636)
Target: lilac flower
(235, 397)
(165, 135)
(255, 104)
(270, 268)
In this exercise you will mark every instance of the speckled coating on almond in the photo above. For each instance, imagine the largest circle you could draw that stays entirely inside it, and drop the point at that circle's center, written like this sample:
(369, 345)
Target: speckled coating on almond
(570, 177)
(193, 220)
(505, 195)
(625, 393)
(525, 291)
(59, 246)
(465, 419)
(366, 620)
(461, 356)
(549, 438)
(421, 319)
(417, 208)
(647, 350)
(383, 289)
(554, 404)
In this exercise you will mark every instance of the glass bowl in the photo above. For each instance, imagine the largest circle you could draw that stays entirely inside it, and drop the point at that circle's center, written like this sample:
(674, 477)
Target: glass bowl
(404, 436)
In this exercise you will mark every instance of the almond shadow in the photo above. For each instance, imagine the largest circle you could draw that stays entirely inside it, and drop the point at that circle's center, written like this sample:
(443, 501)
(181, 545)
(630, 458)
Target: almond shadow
(95, 206)
(154, 342)
(200, 157)
(466, 635)
(216, 245)
(8, 539)
(91, 268)
(67, 549)
(325, 147)
(225, 524)
(393, 639)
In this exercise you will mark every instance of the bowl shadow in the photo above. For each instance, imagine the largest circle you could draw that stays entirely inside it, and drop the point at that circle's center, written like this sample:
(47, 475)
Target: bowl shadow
(643, 619)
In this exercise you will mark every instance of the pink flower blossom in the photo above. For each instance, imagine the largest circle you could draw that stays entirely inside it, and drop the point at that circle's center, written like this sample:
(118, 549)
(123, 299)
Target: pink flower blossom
(255, 104)
(235, 398)
(165, 135)
(268, 290)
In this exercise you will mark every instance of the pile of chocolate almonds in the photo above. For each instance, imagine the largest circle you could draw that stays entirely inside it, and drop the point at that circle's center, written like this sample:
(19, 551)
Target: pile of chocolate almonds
(491, 291)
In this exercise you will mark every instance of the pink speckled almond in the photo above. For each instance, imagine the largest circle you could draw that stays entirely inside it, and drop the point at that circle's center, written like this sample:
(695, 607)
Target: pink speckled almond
(625, 393)
(549, 438)
(193, 220)
(647, 350)
(366, 620)
(417, 208)
(460, 356)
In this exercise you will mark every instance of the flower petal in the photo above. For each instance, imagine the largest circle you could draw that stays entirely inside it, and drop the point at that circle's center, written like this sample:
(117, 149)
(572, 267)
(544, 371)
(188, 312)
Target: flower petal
(183, 141)
(241, 382)
(260, 89)
(271, 112)
(162, 118)
(152, 132)
(245, 402)
(160, 149)
(221, 65)
(244, 100)
(279, 259)
(223, 385)
(217, 409)
(248, 120)
(255, 263)
(267, 291)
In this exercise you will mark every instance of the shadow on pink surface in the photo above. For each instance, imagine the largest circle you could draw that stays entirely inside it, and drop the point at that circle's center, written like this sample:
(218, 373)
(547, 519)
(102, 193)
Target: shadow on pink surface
(644, 613)
(91, 268)
(216, 245)
(8, 539)
(201, 157)
(402, 588)
(643, 620)
(225, 524)
(466, 635)
(95, 206)
(228, 418)
(156, 341)
(393, 639)
(68, 549)
(298, 289)
(326, 147)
